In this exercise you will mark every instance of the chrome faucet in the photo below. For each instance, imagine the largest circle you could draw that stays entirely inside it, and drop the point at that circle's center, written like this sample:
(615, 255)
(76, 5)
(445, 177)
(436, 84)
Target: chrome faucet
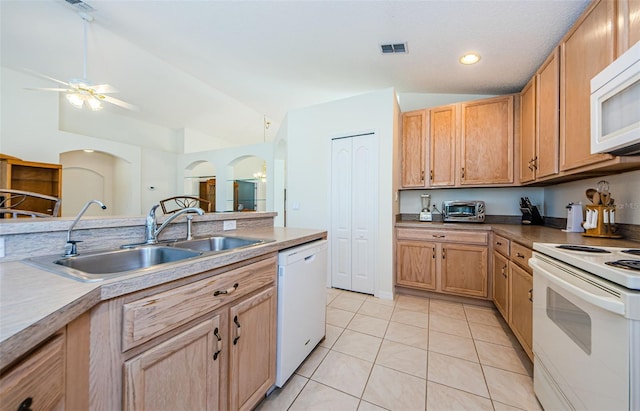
(70, 248)
(151, 226)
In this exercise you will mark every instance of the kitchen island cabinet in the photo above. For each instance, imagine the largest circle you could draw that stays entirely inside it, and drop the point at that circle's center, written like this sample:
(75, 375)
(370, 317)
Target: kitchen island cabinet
(449, 262)
(38, 381)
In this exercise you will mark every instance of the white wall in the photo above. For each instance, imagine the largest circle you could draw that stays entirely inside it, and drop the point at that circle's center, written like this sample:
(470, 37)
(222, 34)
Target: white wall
(498, 201)
(624, 188)
(309, 132)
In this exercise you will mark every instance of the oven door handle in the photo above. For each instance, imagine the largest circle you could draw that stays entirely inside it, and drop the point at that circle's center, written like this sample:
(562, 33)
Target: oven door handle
(609, 304)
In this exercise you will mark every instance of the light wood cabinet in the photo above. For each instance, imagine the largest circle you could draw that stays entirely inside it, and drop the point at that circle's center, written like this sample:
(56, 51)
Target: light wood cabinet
(528, 132)
(501, 284)
(585, 51)
(445, 261)
(204, 342)
(253, 349)
(443, 130)
(416, 262)
(486, 141)
(521, 306)
(37, 382)
(545, 162)
(182, 373)
(464, 269)
(628, 24)
(414, 138)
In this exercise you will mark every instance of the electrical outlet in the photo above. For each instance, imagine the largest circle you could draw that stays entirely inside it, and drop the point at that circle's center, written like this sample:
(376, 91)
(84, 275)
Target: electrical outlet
(229, 225)
(1, 247)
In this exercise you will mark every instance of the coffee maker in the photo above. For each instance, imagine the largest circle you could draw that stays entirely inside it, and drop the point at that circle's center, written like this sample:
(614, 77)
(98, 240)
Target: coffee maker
(425, 213)
(530, 213)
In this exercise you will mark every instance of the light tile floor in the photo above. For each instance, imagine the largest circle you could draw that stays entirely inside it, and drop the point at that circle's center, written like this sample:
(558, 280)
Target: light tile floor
(409, 354)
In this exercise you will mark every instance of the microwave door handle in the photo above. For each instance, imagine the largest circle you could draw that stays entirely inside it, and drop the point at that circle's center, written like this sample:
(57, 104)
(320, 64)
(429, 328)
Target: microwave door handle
(609, 304)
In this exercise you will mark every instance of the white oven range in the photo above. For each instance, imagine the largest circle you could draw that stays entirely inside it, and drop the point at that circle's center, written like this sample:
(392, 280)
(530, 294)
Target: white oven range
(586, 327)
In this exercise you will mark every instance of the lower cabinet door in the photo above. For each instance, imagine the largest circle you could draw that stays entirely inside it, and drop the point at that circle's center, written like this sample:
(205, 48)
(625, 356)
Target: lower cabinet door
(464, 269)
(501, 284)
(252, 366)
(521, 306)
(182, 373)
(416, 264)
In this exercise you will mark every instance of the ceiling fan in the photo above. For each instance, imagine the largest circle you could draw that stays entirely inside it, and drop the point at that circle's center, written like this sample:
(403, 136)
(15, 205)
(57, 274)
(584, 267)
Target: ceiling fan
(80, 91)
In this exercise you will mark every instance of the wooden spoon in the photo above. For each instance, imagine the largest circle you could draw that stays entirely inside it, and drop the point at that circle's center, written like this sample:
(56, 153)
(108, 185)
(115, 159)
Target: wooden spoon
(596, 198)
(606, 198)
(590, 192)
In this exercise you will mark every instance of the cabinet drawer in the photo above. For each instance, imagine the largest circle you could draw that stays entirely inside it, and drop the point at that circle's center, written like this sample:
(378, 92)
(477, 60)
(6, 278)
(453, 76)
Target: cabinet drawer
(39, 377)
(521, 255)
(445, 236)
(154, 315)
(501, 245)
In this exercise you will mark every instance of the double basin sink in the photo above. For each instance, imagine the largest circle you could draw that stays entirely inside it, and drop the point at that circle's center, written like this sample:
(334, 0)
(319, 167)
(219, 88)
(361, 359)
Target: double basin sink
(102, 265)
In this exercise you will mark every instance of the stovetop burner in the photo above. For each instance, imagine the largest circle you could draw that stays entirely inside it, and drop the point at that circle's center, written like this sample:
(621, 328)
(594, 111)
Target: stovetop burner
(632, 251)
(633, 265)
(582, 248)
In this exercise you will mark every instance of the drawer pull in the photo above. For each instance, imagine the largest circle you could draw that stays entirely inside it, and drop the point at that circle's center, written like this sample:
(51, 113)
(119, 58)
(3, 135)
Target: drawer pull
(438, 236)
(519, 255)
(218, 344)
(531, 295)
(26, 405)
(235, 320)
(228, 291)
(498, 242)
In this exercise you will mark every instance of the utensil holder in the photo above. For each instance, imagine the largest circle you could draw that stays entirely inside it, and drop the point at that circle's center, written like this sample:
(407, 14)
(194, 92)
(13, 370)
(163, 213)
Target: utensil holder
(603, 229)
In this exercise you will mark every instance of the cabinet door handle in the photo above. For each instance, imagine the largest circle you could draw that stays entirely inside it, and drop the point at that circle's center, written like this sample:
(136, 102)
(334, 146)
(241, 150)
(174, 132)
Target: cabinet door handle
(443, 253)
(235, 320)
(433, 255)
(218, 344)
(534, 163)
(26, 404)
(431, 175)
(519, 255)
(462, 173)
(504, 271)
(531, 295)
(227, 291)
(438, 236)
(422, 175)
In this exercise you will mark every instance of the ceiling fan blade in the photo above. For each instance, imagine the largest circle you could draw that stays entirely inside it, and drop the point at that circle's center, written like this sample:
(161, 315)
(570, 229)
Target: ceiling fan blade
(118, 102)
(46, 89)
(47, 77)
(104, 89)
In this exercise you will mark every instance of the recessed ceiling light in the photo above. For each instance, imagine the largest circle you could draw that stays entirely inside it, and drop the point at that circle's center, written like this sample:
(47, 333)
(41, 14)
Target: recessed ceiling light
(470, 58)
(87, 150)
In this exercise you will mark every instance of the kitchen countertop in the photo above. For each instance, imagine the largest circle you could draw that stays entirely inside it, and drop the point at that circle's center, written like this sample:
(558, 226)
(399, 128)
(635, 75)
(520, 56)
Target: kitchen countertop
(525, 234)
(35, 303)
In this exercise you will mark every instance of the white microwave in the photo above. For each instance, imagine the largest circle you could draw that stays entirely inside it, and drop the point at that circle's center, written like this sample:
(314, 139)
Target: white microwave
(615, 106)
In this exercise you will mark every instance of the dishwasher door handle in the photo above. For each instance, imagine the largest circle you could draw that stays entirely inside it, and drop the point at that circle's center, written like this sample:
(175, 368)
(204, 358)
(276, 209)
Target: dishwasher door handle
(310, 258)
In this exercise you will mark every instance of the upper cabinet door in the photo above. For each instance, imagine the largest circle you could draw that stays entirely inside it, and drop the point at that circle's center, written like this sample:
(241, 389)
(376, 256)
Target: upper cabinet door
(486, 141)
(528, 132)
(414, 132)
(443, 129)
(548, 116)
(628, 24)
(585, 51)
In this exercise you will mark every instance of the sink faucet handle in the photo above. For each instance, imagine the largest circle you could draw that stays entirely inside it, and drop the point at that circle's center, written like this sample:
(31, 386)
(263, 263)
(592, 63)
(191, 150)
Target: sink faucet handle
(70, 248)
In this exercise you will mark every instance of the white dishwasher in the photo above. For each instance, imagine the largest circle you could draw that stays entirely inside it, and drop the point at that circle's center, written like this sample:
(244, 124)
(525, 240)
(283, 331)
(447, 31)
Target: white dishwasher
(302, 278)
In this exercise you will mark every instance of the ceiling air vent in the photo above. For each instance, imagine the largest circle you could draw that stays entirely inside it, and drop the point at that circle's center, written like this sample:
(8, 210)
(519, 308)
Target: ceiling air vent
(80, 5)
(393, 48)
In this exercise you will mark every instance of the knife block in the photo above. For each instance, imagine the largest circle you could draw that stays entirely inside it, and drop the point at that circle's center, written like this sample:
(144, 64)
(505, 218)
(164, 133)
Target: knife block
(602, 229)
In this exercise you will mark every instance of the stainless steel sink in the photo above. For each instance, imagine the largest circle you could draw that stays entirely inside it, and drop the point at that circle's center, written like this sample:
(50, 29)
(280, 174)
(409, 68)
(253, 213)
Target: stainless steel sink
(217, 243)
(99, 266)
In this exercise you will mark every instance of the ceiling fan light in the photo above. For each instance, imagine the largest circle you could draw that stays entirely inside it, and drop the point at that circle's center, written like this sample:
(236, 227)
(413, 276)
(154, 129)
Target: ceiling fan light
(94, 103)
(75, 99)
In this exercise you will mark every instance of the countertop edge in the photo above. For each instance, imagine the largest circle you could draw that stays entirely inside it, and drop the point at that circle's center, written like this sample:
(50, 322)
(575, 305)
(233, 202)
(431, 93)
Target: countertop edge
(17, 344)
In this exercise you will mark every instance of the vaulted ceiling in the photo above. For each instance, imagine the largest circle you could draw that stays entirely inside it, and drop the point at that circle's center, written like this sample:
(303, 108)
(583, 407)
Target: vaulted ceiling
(215, 66)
